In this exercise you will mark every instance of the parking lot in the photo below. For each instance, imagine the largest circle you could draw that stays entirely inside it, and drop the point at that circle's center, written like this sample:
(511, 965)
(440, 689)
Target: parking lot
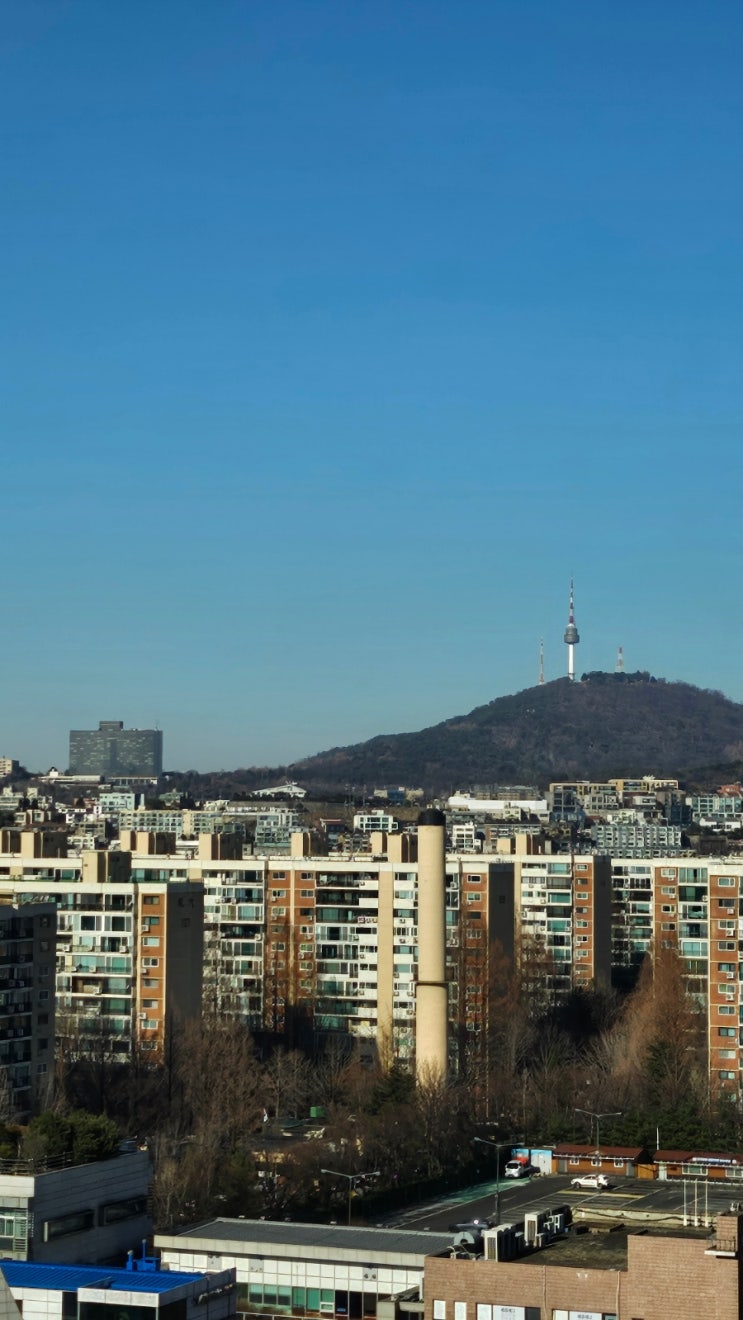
(627, 1198)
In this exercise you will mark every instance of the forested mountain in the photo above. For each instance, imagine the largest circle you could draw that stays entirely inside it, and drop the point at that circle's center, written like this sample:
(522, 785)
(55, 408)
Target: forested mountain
(606, 724)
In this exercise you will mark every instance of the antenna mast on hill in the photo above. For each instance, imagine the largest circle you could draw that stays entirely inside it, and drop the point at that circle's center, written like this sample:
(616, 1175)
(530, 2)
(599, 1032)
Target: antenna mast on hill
(620, 661)
(541, 663)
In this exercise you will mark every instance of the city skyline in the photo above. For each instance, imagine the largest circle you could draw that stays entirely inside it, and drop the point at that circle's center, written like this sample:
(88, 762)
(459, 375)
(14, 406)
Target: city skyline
(336, 340)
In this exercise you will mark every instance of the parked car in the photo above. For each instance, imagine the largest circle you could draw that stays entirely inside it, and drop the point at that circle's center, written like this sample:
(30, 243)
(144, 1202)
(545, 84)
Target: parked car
(519, 1167)
(590, 1182)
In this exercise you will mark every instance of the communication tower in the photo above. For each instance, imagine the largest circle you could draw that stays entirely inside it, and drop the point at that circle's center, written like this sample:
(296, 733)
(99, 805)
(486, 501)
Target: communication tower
(571, 637)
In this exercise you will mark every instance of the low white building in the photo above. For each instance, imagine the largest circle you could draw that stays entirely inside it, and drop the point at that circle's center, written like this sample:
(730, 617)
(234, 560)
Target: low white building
(87, 1292)
(306, 1270)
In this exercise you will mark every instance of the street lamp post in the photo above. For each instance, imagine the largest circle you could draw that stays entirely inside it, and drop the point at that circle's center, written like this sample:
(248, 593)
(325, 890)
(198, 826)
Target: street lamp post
(351, 1178)
(498, 1147)
(590, 1113)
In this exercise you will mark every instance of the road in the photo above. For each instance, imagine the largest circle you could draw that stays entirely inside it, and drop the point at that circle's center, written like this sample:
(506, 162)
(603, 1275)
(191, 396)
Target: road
(627, 1197)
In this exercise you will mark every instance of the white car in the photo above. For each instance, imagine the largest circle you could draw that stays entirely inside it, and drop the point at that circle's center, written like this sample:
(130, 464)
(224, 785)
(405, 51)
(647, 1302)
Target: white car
(518, 1168)
(591, 1182)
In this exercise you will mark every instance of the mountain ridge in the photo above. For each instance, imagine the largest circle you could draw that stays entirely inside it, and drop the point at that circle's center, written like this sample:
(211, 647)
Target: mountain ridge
(605, 724)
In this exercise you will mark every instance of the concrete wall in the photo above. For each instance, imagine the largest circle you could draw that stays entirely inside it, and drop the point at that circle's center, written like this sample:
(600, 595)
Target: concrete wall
(86, 1187)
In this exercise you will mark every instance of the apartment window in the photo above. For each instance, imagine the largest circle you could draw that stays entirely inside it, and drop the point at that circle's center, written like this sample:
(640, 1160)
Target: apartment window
(278, 912)
(582, 898)
(278, 893)
(150, 983)
(149, 1024)
(474, 898)
(279, 875)
(668, 925)
(668, 907)
(727, 1054)
(727, 881)
(151, 942)
(306, 893)
(668, 872)
(726, 1010)
(152, 900)
(727, 1076)
(668, 890)
(150, 962)
(474, 879)
(726, 946)
(726, 1031)
(149, 1003)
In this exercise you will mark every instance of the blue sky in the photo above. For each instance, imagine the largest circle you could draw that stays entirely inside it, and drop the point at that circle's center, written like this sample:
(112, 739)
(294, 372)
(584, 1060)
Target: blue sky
(336, 336)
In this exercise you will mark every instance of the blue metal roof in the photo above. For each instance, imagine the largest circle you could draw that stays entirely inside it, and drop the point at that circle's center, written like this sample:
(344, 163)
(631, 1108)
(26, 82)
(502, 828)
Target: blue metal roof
(70, 1278)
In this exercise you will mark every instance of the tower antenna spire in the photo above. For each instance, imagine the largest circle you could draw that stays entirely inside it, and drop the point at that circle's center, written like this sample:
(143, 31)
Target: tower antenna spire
(572, 636)
(620, 660)
(541, 663)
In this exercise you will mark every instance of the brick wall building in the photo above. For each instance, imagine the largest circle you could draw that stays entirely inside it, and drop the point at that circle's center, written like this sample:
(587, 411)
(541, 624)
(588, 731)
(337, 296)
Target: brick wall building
(621, 1275)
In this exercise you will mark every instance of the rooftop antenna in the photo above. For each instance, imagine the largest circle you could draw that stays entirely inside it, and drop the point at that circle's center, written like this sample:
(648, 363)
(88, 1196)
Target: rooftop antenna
(571, 637)
(541, 663)
(620, 661)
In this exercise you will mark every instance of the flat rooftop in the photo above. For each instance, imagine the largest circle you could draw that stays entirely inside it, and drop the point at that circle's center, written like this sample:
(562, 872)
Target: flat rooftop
(316, 1238)
(70, 1278)
(602, 1248)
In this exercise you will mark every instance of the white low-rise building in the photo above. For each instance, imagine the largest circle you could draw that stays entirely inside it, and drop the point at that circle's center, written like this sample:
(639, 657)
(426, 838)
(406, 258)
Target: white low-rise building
(306, 1269)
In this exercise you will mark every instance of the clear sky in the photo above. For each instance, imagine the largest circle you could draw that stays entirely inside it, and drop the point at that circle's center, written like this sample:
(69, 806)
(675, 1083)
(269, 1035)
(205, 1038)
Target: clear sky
(336, 335)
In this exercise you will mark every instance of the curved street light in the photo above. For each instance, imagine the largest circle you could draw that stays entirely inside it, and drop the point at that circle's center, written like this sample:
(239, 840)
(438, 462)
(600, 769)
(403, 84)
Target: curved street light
(351, 1178)
(591, 1113)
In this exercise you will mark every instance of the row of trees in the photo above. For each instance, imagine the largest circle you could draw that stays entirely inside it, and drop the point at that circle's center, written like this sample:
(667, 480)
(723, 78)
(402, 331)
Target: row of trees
(527, 1077)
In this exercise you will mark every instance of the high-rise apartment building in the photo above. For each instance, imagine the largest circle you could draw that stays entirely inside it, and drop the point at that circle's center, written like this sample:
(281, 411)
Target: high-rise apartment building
(693, 905)
(130, 945)
(116, 752)
(27, 956)
(303, 944)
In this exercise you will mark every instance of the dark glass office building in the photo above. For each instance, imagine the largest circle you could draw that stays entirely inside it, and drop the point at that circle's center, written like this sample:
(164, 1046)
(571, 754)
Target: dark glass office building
(114, 751)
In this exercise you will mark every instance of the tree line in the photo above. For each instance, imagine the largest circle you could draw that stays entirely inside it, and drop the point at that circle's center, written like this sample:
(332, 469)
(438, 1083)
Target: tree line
(213, 1114)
